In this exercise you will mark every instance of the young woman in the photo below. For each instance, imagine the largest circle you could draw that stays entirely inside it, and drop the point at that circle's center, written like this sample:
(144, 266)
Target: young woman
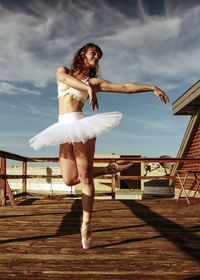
(76, 134)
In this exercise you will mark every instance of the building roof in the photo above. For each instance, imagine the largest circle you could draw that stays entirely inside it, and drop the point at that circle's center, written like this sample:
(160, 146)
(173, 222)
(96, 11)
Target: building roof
(189, 102)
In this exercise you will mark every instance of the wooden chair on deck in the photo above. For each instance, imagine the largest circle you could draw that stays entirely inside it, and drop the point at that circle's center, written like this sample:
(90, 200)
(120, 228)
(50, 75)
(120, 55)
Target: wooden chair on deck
(182, 178)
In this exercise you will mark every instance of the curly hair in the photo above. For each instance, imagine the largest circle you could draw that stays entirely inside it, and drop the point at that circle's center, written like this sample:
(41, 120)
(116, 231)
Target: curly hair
(78, 60)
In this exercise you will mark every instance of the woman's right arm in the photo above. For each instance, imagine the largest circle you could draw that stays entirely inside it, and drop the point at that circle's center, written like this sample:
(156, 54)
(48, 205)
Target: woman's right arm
(64, 77)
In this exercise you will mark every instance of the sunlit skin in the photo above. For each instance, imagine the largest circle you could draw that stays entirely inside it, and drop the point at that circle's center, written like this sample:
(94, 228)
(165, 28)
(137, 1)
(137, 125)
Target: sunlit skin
(67, 103)
(76, 161)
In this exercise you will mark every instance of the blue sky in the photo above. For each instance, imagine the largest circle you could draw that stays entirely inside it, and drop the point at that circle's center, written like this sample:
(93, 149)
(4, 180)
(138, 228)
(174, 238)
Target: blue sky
(148, 42)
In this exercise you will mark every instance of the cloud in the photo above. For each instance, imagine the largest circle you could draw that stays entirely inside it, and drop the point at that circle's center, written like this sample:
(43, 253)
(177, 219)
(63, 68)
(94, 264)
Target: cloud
(46, 37)
(144, 47)
(48, 111)
(141, 44)
(8, 88)
(158, 49)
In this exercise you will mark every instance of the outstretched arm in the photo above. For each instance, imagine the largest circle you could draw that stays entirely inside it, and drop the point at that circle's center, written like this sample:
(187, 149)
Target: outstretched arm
(105, 86)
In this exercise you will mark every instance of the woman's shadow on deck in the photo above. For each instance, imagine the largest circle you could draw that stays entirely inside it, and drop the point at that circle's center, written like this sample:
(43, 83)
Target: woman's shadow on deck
(70, 224)
(71, 221)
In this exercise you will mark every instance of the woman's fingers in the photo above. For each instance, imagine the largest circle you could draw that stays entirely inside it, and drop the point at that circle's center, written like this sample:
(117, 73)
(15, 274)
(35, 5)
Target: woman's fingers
(94, 103)
(161, 95)
(93, 99)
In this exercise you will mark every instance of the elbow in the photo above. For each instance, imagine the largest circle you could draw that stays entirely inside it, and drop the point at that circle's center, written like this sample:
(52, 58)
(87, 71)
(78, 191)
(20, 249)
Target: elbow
(66, 79)
(126, 89)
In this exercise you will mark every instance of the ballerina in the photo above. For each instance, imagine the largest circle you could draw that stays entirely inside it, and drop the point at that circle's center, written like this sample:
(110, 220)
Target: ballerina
(76, 134)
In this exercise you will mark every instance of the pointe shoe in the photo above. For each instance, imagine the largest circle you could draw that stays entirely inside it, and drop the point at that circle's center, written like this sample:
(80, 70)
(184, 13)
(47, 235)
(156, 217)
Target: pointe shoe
(86, 236)
(114, 167)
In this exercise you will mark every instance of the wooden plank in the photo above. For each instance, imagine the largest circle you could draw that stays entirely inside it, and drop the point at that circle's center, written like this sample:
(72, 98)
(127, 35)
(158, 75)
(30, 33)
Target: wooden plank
(100, 177)
(148, 239)
(42, 159)
(197, 160)
(11, 176)
(11, 156)
(24, 173)
(3, 182)
(146, 177)
(10, 195)
(182, 104)
(44, 176)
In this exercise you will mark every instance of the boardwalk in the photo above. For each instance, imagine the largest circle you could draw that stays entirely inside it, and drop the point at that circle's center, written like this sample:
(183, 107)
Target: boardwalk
(148, 239)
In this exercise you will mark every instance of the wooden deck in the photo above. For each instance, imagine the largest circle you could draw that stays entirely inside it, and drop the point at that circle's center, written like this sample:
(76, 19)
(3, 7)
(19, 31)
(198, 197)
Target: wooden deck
(148, 239)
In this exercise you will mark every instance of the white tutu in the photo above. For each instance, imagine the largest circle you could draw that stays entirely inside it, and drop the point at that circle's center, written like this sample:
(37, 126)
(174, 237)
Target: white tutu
(75, 127)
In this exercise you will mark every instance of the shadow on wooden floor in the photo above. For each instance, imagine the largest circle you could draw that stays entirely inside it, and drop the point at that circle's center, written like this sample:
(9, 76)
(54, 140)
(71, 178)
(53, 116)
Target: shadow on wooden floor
(70, 224)
(193, 278)
(185, 239)
(28, 201)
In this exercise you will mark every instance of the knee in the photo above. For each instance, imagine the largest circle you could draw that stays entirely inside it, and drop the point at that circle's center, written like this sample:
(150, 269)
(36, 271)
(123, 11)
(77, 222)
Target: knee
(69, 175)
(70, 181)
(86, 177)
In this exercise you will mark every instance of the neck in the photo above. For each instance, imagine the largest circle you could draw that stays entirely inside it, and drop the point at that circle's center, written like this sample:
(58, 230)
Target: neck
(83, 74)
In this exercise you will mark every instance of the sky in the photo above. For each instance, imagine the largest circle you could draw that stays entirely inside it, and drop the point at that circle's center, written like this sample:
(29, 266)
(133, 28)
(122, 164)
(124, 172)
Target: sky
(153, 42)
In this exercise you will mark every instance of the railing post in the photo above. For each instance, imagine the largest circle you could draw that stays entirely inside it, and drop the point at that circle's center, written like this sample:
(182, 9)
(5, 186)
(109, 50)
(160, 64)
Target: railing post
(24, 178)
(3, 181)
(113, 182)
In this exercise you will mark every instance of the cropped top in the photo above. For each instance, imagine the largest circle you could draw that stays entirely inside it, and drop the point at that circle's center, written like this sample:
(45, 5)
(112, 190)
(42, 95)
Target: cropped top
(64, 89)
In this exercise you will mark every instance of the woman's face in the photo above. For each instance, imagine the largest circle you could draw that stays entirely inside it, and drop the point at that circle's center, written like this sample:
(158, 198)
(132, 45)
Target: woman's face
(92, 57)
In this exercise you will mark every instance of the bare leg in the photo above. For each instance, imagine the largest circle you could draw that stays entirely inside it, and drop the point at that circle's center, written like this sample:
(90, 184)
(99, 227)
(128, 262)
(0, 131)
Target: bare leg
(69, 170)
(84, 154)
(113, 167)
(68, 165)
(76, 162)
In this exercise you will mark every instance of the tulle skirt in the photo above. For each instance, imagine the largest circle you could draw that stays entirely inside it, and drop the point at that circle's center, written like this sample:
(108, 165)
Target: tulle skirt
(75, 127)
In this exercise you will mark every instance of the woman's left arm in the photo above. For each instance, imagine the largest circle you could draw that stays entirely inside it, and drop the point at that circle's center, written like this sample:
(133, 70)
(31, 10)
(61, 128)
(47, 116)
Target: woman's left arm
(106, 86)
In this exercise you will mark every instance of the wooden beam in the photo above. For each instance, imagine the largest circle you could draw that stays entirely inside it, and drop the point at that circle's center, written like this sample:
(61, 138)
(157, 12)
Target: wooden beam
(24, 174)
(10, 195)
(3, 181)
(8, 155)
(40, 159)
(133, 159)
(146, 177)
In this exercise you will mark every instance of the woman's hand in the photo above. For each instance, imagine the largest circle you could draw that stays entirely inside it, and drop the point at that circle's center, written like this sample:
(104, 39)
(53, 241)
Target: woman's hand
(161, 95)
(93, 99)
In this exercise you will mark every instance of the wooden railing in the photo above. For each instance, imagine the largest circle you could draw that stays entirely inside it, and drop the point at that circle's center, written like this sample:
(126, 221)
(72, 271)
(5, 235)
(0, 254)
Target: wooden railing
(4, 187)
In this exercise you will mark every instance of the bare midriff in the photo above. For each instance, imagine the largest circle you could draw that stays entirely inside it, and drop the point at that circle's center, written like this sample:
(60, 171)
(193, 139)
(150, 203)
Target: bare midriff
(68, 104)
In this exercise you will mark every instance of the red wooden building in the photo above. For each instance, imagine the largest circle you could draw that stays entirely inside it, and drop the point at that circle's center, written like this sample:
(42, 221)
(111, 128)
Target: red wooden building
(189, 104)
